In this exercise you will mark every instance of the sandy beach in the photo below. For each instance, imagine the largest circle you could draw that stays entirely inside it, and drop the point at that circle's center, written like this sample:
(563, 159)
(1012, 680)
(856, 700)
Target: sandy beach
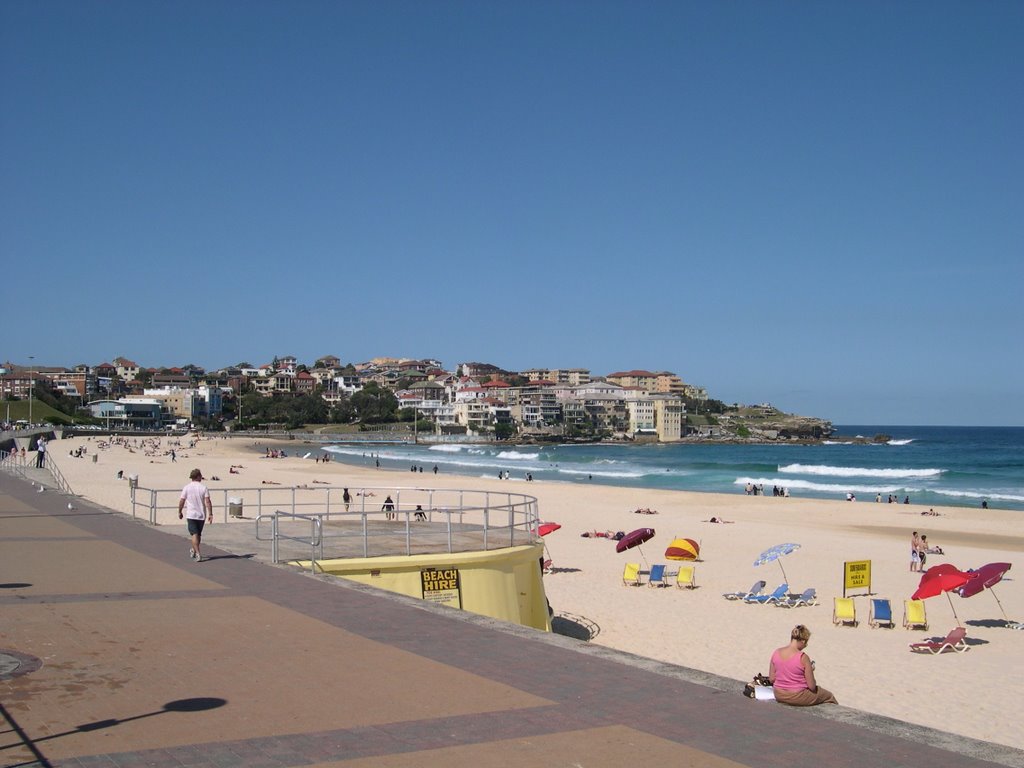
(971, 694)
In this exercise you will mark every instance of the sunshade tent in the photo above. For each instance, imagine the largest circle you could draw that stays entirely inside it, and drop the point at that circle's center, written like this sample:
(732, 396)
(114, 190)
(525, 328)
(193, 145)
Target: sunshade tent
(545, 528)
(635, 539)
(985, 577)
(773, 554)
(939, 579)
(683, 549)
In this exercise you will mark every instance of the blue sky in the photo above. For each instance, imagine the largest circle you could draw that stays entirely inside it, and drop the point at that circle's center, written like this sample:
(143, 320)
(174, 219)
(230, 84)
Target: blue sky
(818, 205)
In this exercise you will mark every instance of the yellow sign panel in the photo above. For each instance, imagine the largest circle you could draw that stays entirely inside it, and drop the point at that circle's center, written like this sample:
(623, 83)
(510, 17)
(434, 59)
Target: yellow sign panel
(441, 585)
(857, 575)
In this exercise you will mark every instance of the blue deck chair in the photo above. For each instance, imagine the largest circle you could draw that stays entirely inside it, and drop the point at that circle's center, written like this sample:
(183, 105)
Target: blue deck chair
(881, 614)
(756, 589)
(780, 593)
(657, 576)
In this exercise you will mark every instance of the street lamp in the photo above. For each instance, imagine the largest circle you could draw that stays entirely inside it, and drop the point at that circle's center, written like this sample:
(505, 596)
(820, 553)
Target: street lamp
(31, 386)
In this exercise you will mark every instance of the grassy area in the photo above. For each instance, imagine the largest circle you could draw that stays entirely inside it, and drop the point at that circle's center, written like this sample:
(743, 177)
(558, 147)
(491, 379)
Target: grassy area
(41, 412)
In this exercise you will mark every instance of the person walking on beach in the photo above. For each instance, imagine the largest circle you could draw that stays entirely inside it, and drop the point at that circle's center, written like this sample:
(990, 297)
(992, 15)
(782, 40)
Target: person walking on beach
(346, 497)
(915, 552)
(389, 509)
(196, 506)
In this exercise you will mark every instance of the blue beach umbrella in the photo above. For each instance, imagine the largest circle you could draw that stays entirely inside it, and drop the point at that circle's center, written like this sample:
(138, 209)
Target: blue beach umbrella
(775, 553)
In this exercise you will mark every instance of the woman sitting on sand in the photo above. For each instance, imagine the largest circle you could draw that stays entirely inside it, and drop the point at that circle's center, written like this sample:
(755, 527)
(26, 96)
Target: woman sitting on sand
(792, 673)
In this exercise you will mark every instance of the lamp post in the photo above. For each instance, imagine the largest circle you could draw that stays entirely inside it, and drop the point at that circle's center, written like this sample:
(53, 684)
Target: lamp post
(31, 386)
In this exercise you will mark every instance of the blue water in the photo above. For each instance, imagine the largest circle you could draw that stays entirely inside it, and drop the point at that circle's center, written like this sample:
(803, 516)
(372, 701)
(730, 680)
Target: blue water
(940, 466)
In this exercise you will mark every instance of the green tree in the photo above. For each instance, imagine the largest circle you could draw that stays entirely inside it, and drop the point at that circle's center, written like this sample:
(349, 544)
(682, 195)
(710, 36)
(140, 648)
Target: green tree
(375, 405)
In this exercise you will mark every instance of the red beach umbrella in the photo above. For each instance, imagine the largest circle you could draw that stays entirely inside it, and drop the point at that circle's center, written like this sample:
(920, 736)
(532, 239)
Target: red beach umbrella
(683, 549)
(985, 577)
(635, 539)
(545, 528)
(939, 579)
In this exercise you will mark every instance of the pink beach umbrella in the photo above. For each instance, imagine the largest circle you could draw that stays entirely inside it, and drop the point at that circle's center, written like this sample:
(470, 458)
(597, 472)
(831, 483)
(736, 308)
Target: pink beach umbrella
(985, 577)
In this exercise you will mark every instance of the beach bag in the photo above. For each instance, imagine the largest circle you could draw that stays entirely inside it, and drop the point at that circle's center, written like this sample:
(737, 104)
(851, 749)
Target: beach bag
(759, 689)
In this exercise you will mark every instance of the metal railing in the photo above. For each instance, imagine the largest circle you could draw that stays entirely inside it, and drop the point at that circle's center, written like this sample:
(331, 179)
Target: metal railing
(416, 520)
(12, 461)
(58, 478)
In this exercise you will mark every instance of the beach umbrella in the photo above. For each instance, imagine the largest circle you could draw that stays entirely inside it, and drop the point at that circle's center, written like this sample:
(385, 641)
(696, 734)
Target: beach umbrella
(939, 579)
(773, 554)
(545, 528)
(683, 549)
(985, 577)
(635, 539)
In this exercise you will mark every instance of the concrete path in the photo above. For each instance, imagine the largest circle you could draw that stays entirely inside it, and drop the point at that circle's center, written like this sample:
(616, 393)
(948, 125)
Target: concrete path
(117, 650)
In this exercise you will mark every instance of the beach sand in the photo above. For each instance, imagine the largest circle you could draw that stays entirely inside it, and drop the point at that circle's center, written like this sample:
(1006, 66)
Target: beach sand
(973, 694)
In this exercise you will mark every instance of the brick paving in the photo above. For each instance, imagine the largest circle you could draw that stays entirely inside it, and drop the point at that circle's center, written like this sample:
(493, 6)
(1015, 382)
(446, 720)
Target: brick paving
(149, 659)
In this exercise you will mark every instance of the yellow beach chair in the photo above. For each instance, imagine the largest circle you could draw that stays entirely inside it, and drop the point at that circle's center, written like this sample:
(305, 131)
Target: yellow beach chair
(914, 616)
(631, 575)
(686, 577)
(844, 612)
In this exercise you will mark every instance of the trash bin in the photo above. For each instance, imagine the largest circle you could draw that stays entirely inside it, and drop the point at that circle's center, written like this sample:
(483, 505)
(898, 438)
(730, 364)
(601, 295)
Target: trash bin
(235, 507)
(133, 481)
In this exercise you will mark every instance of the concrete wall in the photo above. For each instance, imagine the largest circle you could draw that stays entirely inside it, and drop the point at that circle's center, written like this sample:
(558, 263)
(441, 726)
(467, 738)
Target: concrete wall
(504, 584)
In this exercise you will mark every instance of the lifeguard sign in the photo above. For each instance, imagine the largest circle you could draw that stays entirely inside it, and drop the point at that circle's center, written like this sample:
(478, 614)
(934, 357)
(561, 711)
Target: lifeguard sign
(857, 575)
(442, 585)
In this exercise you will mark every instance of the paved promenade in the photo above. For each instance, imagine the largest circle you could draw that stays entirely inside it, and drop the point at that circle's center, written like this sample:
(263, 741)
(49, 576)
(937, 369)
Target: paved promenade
(117, 650)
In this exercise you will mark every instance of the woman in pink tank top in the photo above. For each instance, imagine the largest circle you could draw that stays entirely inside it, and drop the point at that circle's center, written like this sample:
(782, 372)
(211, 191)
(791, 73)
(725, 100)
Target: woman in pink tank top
(792, 673)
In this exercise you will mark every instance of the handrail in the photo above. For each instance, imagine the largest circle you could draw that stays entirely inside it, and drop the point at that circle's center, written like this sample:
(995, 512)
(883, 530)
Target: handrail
(492, 520)
(13, 462)
(58, 477)
(316, 540)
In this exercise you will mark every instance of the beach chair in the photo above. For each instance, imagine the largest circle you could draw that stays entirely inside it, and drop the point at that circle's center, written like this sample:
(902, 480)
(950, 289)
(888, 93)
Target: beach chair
(914, 616)
(881, 614)
(954, 641)
(657, 576)
(631, 575)
(781, 593)
(844, 612)
(807, 597)
(686, 577)
(755, 589)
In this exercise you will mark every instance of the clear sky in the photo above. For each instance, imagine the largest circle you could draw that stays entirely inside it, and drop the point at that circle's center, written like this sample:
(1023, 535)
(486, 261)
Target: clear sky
(814, 204)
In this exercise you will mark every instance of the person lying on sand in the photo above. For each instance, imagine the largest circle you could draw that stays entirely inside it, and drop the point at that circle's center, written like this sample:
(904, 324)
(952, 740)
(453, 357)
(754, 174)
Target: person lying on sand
(270, 482)
(645, 511)
(932, 512)
(597, 534)
(719, 520)
(321, 482)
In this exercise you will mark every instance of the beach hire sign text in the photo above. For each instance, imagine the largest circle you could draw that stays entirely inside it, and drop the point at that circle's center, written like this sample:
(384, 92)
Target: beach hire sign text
(442, 585)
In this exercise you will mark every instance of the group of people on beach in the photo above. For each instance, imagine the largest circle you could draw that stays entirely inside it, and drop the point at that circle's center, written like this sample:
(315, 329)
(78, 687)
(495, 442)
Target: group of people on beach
(919, 551)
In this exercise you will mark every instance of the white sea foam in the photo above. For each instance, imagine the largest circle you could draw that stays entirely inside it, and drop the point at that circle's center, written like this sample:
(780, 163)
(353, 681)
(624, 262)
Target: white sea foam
(445, 448)
(829, 471)
(977, 495)
(807, 485)
(600, 473)
(908, 441)
(517, 456)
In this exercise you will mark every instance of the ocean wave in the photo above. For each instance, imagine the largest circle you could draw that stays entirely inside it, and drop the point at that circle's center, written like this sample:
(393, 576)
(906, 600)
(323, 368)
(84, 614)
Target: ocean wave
(517, 456)
(829, 471)
(807, 485)
(445, 448)
(600, 473)
(977, 495)
(908, 441)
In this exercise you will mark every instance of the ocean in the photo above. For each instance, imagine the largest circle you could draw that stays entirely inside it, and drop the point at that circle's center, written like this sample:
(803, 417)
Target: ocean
(939, 466)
